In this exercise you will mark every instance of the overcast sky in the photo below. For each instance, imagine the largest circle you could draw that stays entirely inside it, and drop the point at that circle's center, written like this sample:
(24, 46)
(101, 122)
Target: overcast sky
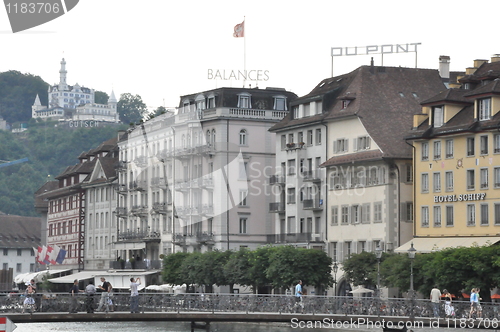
(162, 49)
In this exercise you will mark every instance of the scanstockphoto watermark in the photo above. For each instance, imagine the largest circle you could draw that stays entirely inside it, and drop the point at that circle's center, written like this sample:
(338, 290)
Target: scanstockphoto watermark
(366, 323)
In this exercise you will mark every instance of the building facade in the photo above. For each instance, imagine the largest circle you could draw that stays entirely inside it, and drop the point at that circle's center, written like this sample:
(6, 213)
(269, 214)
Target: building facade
(74, 103)
(456, 156)
(193, 180)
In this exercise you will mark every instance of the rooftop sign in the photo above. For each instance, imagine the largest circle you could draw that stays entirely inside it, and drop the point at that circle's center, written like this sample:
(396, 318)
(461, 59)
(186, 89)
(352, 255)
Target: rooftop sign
(375, 49)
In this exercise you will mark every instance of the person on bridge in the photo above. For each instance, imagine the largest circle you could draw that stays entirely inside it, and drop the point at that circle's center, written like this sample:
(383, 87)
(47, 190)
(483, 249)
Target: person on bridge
(90, 291)
(134, 295)
(106, 289)
(73, 308)
(298, 294)
(435, 296)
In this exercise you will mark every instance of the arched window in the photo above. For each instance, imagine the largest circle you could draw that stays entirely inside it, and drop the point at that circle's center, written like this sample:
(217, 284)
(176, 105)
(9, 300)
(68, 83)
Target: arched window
(209, 141)
(243, 137)
(183, 141)
(213, 138)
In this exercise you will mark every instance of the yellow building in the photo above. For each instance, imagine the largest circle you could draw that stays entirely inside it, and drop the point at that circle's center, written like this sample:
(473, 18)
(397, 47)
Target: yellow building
(456, 142)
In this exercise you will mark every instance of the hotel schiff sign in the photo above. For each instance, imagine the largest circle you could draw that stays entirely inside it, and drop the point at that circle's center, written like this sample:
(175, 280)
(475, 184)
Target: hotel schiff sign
(459, 198)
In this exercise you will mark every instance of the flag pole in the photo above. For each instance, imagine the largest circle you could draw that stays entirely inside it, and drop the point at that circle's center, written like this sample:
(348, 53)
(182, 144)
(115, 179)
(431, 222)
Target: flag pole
(244, 51)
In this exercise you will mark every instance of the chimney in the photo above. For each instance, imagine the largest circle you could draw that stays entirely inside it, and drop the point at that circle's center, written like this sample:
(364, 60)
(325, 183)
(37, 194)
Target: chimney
(479, 62)
(495, 58)
(444, 66)
(372, 66)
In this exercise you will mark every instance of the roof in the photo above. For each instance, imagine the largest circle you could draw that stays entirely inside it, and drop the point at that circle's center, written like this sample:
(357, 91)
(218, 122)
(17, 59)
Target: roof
(354, 157)
(19, 231)
(430, 244)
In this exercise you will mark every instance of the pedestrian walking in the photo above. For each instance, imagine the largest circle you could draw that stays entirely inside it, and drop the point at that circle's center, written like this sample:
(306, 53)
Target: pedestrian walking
(29, 301)
(74, 290)
(134, 295)
(90, 290)
(475, 307)
(435, 296)
(106, 290)
(298, 295)
(448, 307)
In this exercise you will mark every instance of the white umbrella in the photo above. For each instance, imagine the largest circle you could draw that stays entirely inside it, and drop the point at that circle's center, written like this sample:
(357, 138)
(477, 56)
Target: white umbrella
(154, 287)
(361, 290)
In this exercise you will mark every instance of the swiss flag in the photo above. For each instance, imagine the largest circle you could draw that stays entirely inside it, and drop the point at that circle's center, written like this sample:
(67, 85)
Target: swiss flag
(239, 30)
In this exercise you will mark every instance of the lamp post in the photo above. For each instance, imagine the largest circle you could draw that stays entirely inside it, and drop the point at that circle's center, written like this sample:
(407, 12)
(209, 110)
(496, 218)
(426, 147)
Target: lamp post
(378, 254)
(335, 270)
(411, 255)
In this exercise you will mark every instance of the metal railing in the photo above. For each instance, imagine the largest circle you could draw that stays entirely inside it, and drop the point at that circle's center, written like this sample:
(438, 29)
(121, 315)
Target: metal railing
(168, 302)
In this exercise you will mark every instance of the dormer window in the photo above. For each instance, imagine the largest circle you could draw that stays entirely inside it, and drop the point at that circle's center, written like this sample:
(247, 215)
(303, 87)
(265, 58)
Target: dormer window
(295, 110)
(200, 103)
(438, 116)
(211, 102)
(280, 103)
(484, 109)
(244, 100)
(345, 103)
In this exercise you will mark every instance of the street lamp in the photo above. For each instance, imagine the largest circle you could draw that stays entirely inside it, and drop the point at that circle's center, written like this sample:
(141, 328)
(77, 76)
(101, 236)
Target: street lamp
(378, 254)
(335, 270)
(411, 255)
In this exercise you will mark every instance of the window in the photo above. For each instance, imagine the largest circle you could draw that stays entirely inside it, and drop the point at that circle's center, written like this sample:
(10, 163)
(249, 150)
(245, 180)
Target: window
(425, 183)
(283, 142)
(291, 167)
(438, 117)
(243, 137)
(279, 103)
(334, 251)
(449, 148)
(365, 213)
(290, 138)
(19, 252)
(243, 171)
(436, 182)
(340, 145)
(470, 146)
(437, 150)
(307, 109)
(449, 215)
(484, 178)
(471, 215)
(5, 266)
(345, 214)
(19, 267)
(345, 103)
(483, 144)
(496, 175)
(448, 178)
(425, 151)
(243, 225)
(5, 252)
(437, 216)
(484, 109)
(355, 214)
(244, 101)
(243, 197)
(295, 110)
(309, 137)
(211, 102)
(496, 143)
(377, 212)
(335, 215)
(425, 216)
(497, 214)
(407, 211)
(291, 196)
(318, 136)
(348, 249)
(484, 215)
(409, 173)
(300, 138)
(470, 179)
(362, 143)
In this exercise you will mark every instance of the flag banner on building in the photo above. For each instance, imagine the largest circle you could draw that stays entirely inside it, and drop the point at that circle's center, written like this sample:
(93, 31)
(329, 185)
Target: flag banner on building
(48, 253)
(41, 256)
(61, 256)
(53, 255)
(239, 30)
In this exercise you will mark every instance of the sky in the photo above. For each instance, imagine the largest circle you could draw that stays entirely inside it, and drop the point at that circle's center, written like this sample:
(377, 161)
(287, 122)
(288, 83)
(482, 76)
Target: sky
(163, 49)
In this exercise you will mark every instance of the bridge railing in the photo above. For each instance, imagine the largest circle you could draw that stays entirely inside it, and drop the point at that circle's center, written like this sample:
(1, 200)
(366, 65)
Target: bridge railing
(165, 302)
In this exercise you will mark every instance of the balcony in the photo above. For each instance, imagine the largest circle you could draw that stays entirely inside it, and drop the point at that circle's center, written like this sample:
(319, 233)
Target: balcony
(206, 182)
(139, 210)
(121, 211)
(312, 204)
(277, 207)
(295, 146)
(121, 188)
(140, 185)
(141, 161)
(207, 210)
(179, 239)
(205, 238)
(160, 208)
(277, 179)
(142, 236)
(121, 166)
(295, 238)
(311, 176)
(158, 182)
(144, 265)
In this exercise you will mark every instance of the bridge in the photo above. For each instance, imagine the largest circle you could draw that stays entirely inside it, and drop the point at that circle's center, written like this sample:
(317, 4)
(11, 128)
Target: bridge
(201, 309)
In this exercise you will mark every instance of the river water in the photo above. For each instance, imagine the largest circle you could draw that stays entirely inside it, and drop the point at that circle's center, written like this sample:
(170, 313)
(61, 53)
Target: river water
(184, 326)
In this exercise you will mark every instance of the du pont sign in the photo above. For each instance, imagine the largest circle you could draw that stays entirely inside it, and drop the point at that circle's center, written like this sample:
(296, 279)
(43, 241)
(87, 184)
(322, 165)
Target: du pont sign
(459, 198)
(375, 49)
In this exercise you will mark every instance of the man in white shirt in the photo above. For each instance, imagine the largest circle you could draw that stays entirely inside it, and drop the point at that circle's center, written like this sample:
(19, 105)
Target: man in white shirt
(134, 295)
(435, 297)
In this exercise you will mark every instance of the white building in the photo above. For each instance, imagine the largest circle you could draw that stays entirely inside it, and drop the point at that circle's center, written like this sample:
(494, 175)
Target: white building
(74, 103)
(194, 180)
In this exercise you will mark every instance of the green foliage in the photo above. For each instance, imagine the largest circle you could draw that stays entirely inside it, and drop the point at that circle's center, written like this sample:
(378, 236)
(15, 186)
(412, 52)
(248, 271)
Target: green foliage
(17, 94)
(101, 97)
(131, 108)
(172, 268)
(361, 269)
(50, 150)
(238, 268)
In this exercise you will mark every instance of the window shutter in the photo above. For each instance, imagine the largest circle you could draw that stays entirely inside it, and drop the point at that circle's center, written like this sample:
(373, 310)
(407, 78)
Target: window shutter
(335, 147)
(355, 144)
(346, 149)
(368, 141)
(403, 212)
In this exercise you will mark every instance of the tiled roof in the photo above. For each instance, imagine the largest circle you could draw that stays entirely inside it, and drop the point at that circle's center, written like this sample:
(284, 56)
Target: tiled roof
(353, 157)
(19, 231)
(449, 96)
(490, 88)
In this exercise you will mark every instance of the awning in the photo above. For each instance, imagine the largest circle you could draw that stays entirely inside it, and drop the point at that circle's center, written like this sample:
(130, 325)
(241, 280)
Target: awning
(121, 280)
(38, 276)
(69, 279)
(430, 244)
(129, 245)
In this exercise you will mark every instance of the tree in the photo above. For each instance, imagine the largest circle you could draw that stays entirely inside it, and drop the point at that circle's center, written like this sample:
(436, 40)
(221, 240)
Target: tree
(172, 268)
(361, 269)
(237, 269)
(131, 108)
(101, 97)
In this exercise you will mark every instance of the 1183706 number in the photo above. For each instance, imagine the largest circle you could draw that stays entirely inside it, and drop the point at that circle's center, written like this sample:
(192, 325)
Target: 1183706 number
(32, 8)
